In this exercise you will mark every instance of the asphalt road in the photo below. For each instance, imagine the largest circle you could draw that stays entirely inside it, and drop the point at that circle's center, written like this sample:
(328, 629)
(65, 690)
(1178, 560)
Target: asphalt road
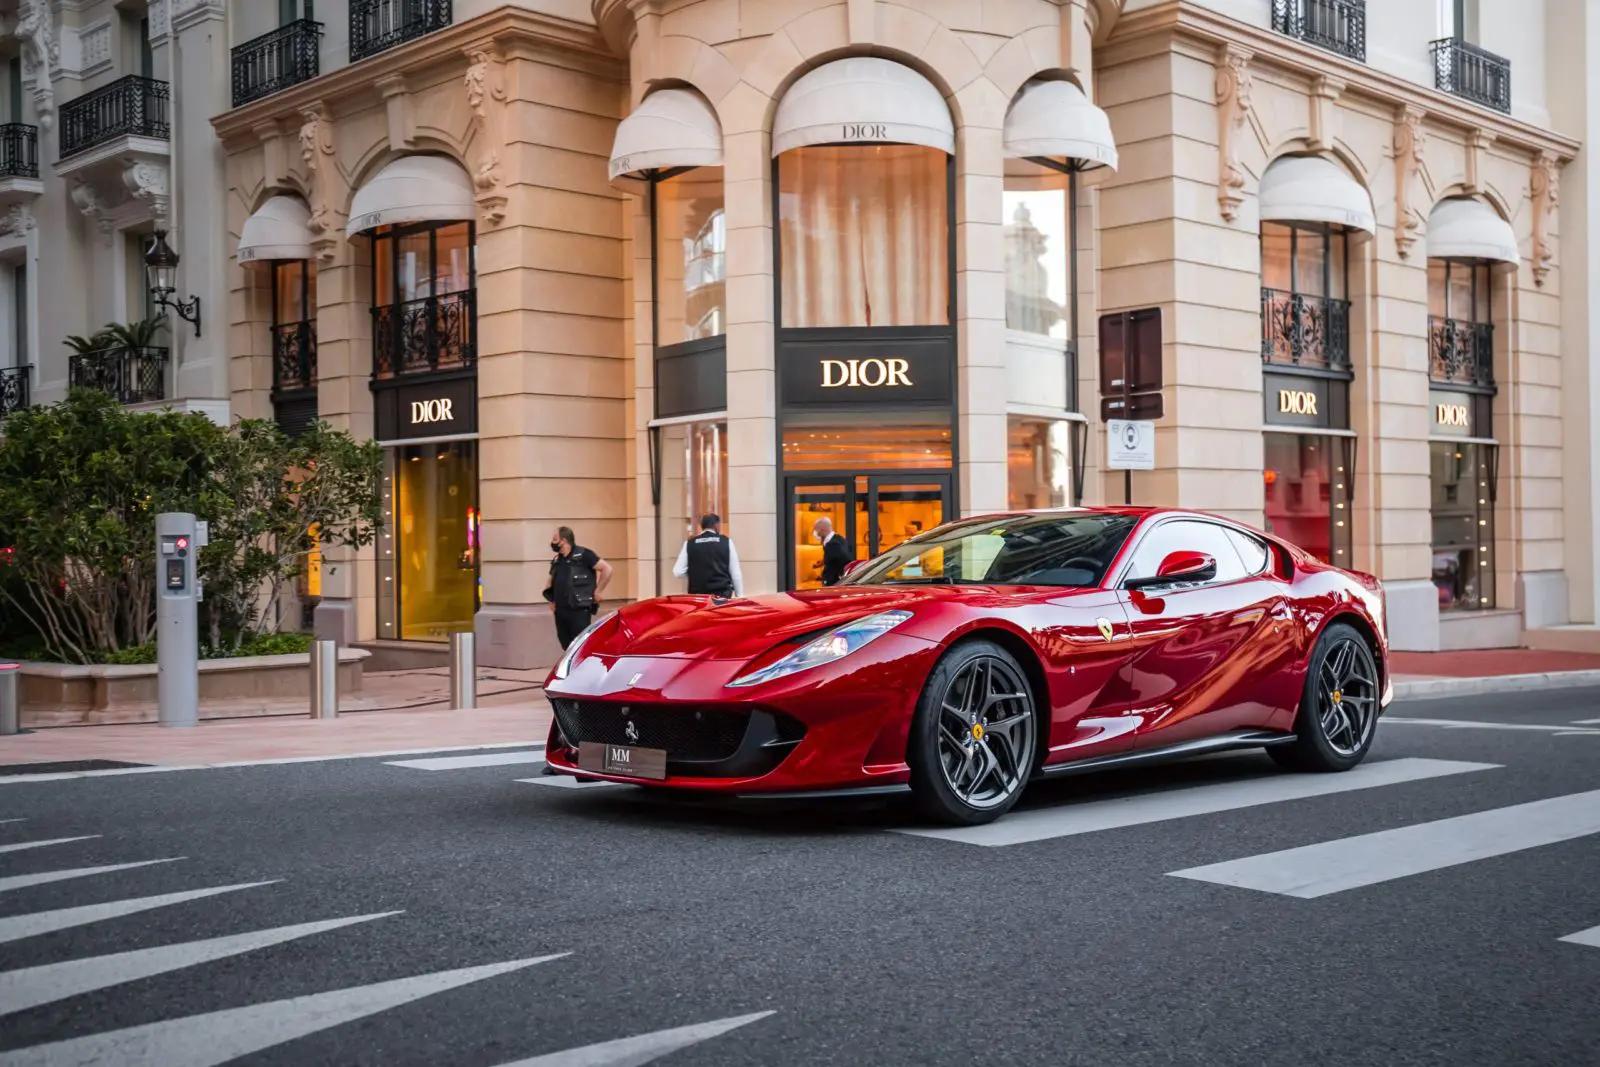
(358, 912)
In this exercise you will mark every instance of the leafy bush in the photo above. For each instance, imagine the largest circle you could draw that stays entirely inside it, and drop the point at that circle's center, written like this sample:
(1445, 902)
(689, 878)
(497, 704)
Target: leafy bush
(129, 657)
(275, 645)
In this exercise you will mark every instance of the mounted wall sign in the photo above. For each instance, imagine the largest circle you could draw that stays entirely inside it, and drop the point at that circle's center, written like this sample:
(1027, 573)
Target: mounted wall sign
(432, 408)
(1456, 414)
(821, 372)
(1313, 402)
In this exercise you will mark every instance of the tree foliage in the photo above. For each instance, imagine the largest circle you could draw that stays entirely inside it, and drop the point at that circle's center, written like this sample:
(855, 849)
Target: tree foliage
(81, 483)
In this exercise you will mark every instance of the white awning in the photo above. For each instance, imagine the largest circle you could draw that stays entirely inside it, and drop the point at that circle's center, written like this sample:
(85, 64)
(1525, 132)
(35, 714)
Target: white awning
(669, 128)
(413, 189)
(1471, 229)
(1312, 189)
(1055, 119)
(862, 99)
(280, 229)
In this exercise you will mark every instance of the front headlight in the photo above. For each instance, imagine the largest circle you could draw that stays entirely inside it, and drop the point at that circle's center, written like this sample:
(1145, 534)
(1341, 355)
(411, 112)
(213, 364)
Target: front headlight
(833, 645)
(570, 657)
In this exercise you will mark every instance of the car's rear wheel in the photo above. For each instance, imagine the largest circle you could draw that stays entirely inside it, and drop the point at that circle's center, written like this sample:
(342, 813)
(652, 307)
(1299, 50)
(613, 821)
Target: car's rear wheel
(974, 736)
(1338, 715)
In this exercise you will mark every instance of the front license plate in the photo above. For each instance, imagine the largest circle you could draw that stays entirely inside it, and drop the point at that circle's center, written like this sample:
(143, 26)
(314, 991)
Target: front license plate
(623, 760)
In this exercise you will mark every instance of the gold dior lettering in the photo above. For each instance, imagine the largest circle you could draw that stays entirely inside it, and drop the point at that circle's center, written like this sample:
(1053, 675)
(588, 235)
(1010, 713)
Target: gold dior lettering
(424, 411)
(1451, 415)
(1297, 402)
(871, 373)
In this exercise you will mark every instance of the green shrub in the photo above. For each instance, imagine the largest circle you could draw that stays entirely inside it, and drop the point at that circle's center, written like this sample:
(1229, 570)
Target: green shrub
(275, 645)
(129, 657)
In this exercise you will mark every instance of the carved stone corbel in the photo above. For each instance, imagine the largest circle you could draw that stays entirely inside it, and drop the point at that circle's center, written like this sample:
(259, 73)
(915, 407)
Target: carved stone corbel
(1478, 145)
(274, 156)
(487, 97)
(19, 220)
(93, 208)
(41, 55)
(1409, 140)
(324, 183)
(1325, 93)
(402, 123)
(1546, 192)
(1233, 111)
(148, 182)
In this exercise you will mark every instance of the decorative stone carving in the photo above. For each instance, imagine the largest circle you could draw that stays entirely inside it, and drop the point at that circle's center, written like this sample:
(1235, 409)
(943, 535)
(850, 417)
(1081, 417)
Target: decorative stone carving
(19, 220)
(1233, 111)
(487, 97)
(41, 54)
(1546, 192)
(402, 123)
(323, 180)
(1325, 93)
(148, 183)
(94, 209)
(1409, 141)
(160, 19)
(185, 13)
(94, 44)
(1478, 144)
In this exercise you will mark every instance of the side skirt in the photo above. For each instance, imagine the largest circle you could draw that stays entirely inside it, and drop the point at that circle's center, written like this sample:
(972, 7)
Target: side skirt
(1198, 747)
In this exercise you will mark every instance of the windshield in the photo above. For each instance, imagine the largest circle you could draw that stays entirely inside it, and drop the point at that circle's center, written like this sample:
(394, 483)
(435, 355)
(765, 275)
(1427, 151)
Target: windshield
(1072, 550)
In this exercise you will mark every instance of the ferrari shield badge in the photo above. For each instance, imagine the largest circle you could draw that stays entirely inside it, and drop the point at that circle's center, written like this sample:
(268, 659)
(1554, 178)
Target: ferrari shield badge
(1106, 630)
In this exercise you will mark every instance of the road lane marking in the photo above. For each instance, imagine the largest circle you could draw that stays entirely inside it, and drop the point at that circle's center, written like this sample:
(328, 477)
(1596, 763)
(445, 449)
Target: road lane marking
(1043, 824)
(456, 763)
(635, 1051)
(1368, 859)
(23, 881)
(1590, 937)
(25, 845)
(1473, 724)
(220, 1036)
(3, 821)
(16, 927)
(1586, 722)
(33, 986)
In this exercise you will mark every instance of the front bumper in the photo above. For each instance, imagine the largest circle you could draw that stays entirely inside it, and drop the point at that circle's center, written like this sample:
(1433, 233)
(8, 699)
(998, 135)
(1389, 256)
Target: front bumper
(839, 727)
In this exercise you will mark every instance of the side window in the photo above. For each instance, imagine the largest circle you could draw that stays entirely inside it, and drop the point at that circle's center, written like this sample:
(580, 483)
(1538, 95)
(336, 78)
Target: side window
(1253, 551)
(1188, 536)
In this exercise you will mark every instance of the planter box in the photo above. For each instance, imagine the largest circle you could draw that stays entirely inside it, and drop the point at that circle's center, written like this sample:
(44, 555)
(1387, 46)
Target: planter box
(60, 694)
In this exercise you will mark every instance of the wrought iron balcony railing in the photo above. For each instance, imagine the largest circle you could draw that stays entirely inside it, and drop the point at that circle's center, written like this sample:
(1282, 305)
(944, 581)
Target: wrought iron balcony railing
(436, 333)
(294, 357)
(1337, 25)
(1305, 331)
(19, 150)
(131, 375)
(14, 389)
(128, 107)
(1461, 353)
(1467, 71)
(274, 61)
(378, 25)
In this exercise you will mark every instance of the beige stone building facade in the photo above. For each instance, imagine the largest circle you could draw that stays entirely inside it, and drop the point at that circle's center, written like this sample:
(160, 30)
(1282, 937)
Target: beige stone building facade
(614, 265)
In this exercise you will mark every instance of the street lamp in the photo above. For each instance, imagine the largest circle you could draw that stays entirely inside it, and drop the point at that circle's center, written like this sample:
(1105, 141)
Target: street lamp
(161, 267)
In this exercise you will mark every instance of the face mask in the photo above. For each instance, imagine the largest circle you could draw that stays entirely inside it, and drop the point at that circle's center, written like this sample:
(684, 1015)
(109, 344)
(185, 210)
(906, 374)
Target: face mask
(555, 546)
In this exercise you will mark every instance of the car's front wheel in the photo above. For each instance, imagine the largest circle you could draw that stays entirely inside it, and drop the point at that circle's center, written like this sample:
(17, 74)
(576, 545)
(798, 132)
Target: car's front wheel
(1338, 715)
(974, 736)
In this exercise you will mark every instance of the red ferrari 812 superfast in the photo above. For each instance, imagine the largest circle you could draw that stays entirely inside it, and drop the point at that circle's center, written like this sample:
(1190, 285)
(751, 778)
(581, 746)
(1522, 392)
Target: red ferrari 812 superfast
(981, 655)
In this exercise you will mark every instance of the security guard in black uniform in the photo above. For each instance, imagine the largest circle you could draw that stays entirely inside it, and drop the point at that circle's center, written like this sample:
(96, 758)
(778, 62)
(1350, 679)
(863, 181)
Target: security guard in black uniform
(710, 562)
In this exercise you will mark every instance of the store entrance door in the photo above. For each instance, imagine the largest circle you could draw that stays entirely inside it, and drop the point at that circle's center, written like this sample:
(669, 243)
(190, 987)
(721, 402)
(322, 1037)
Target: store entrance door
(873, 512)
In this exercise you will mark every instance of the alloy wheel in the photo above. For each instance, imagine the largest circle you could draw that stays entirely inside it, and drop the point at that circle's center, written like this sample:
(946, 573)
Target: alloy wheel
(1347, 696)
(986, 732)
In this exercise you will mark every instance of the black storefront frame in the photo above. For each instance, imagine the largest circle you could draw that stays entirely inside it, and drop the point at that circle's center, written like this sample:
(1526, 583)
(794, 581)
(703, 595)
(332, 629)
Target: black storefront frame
(294, 409)
(887, 340)
(393, 392)
(709, 352)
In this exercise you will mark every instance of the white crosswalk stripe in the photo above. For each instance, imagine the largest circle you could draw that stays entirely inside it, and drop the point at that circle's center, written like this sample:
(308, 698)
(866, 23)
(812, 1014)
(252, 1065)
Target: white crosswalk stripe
(457, 763)
(5, 821)
(1590, 937)
(16, 927)
(1474, 724)
(1368, 859)
(24, 881)
(23, 846)
(1067, 820)
(634, 1051)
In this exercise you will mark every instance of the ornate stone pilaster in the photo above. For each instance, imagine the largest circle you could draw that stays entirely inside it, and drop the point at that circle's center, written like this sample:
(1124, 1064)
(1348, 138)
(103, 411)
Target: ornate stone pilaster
(41, 54)
(1546, 192)
(1409, 141)
(487, 97)
(1233, 112)
(324, 182)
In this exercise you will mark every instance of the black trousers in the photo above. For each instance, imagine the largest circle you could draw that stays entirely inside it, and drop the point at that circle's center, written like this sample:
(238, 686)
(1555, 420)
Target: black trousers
(570, 622)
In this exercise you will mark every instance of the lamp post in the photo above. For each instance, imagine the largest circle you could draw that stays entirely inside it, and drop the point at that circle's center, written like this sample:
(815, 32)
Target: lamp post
(161, 268)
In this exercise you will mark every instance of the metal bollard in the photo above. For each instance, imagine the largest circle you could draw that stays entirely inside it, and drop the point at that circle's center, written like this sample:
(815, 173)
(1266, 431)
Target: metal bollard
(463, 670)
(10, 718)
(324, 679)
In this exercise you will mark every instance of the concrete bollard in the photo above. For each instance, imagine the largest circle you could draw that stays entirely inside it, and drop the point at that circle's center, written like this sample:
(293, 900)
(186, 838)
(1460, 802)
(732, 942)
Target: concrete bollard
(324, 679)
(463, 670)
(10, 714)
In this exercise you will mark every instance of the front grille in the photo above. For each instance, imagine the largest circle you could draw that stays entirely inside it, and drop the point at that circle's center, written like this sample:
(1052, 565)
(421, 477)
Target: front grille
(689, 735)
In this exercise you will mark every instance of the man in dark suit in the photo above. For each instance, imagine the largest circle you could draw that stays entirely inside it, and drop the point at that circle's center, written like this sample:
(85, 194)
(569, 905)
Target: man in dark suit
(837, 554)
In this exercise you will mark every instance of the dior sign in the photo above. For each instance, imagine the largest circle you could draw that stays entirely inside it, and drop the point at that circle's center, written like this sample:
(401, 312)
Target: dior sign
(871, 373)
(842, 373)
(1297, 402)
(864, 131)
(409, 411)
(427, 412)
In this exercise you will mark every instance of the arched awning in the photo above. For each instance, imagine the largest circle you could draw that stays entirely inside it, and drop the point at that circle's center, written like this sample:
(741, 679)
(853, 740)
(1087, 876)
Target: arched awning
(1471, 229)
(413, 189)
(1055, 119)
(669, 128)
(1312, 189)
(862, 99)
(280, 229)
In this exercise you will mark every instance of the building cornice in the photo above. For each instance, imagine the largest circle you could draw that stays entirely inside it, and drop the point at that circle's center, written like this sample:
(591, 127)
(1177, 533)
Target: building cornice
(1185, 20)
(517, 32)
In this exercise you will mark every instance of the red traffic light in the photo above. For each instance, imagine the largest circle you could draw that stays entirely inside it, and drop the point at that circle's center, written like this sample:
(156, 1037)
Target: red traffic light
(183, 542)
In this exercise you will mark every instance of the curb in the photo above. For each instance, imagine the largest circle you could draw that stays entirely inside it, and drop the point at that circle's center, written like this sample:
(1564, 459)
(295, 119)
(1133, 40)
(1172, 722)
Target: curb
(1435, 688)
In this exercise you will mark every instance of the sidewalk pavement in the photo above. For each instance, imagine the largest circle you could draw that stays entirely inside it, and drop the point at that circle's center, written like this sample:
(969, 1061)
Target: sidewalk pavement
(406, 712)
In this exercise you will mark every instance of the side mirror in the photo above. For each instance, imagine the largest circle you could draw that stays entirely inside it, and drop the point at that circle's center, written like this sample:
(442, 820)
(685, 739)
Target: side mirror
(1177, 568)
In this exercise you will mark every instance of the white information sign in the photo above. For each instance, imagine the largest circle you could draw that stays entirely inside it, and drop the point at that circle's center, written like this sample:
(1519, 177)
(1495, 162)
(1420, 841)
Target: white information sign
(1130, 446)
